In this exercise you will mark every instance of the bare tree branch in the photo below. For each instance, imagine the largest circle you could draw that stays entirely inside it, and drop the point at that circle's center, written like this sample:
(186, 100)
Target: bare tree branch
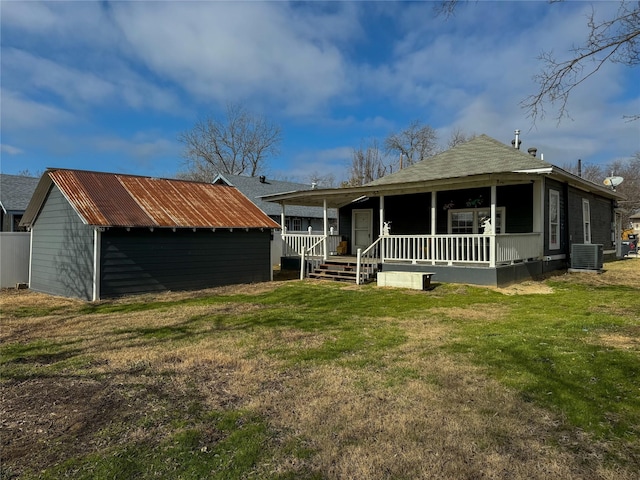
(616, 40)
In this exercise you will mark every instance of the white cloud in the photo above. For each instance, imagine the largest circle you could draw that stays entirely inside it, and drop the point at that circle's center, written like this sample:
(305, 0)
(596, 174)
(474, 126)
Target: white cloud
(140, 146)
(322, 161)
(10, 149)
(236, 51)
(19, 113)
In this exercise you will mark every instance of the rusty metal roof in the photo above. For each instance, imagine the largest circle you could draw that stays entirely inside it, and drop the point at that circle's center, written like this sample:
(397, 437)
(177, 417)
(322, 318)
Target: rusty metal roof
(116, 200)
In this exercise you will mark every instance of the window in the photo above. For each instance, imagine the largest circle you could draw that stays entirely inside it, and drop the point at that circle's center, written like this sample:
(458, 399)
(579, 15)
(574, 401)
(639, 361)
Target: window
(296, 224)
(462, 222)
(586, 220)
(554, 220)
(470, 220)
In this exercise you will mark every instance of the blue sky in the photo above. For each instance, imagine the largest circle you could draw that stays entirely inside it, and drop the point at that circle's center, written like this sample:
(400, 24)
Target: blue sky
(109, 86)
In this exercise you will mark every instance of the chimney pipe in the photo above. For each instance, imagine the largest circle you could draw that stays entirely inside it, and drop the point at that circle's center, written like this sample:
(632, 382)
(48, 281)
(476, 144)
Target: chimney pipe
(262, 179)
(516, 143)
(580, 168)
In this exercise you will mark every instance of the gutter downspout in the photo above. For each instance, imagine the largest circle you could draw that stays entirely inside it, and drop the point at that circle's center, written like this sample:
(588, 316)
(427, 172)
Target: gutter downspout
(97, 240)
(30, 253)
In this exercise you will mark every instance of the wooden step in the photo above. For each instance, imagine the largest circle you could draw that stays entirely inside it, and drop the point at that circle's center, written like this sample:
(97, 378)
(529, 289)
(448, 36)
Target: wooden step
(340, 271)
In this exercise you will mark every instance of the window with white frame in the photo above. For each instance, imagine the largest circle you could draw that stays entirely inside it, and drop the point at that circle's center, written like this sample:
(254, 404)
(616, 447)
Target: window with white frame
(586, 220)
(554, 220)
(471, 220)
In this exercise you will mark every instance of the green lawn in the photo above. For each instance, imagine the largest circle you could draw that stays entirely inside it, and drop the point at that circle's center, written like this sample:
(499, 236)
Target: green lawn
(318, 380)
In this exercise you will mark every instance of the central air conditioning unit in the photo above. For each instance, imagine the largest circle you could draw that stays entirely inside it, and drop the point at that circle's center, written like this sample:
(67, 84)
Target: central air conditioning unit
(586, 256)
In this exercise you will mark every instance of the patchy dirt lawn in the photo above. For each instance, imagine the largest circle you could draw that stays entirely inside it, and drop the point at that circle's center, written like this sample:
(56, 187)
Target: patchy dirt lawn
(87, 382)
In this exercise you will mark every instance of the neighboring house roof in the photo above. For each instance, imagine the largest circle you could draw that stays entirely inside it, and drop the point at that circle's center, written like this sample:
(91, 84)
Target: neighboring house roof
(256, 187)
(115, 200)
(477, 161)
(16, 192)
(635, 216)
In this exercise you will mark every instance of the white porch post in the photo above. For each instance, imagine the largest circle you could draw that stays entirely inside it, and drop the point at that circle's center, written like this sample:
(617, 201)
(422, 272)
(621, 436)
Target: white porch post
(434, 199)
(325, 219)
(282, 217)
(492, 239)
(432, 241)
(381, 229)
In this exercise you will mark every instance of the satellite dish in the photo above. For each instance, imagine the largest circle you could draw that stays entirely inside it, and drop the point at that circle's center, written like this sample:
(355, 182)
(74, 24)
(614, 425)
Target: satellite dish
(613, 182)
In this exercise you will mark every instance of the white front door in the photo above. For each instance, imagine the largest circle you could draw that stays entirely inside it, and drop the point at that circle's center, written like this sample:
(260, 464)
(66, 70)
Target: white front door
(362, 229)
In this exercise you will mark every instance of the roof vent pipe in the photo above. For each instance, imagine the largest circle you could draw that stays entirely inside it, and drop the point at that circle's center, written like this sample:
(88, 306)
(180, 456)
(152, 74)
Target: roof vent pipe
(262, 179)
(532, 151)
(313, 185)
(516, 143)
(580, 168)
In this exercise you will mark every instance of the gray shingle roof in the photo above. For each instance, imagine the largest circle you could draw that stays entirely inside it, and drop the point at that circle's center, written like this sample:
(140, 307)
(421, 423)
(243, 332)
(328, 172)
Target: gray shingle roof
(253, 189)
(16, 191)
(482, 155)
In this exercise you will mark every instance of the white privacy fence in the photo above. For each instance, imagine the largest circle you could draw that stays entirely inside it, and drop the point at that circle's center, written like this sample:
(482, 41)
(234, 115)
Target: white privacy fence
(14, 258)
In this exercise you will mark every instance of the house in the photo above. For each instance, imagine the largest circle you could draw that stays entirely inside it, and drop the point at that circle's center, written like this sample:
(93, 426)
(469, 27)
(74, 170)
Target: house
(303, 224)
(635, 222)
(96, 235)
(480, 213)
(298, 218)
(15, 193)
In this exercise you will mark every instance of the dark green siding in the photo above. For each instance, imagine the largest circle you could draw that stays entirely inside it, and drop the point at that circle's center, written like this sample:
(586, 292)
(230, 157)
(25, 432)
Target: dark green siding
(141, 261)
(344, 218)
(602, 217)
(456, 199)
(408, 214)
(62, 250)
(518, 203)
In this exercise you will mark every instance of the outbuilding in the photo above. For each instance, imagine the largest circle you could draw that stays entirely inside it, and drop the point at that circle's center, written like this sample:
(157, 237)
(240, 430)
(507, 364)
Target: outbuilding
(97, 235)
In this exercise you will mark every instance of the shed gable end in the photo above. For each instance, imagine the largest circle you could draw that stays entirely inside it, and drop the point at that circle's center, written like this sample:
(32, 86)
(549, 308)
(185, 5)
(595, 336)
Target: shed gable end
(61, 251)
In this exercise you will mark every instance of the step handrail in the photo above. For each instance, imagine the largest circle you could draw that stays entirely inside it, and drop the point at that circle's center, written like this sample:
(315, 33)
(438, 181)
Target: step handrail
(306, 252)
(366, 257)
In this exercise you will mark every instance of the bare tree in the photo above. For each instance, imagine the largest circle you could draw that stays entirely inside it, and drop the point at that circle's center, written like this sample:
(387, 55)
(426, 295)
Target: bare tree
(615, 40)
(588, 171)
(629, 170)
(413, 144)
(238, 144)
(630, 187)
(367, 165)
(458, 136)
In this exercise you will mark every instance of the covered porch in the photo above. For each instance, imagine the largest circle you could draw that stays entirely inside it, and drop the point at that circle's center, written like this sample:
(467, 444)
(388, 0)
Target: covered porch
(462, 231)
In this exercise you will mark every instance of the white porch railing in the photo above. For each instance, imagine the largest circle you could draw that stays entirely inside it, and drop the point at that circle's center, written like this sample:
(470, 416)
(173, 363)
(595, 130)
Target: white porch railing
(368, 261)
(461, 249)
(293, 244)
(311, 258)
(512, 247)
(485, 250)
